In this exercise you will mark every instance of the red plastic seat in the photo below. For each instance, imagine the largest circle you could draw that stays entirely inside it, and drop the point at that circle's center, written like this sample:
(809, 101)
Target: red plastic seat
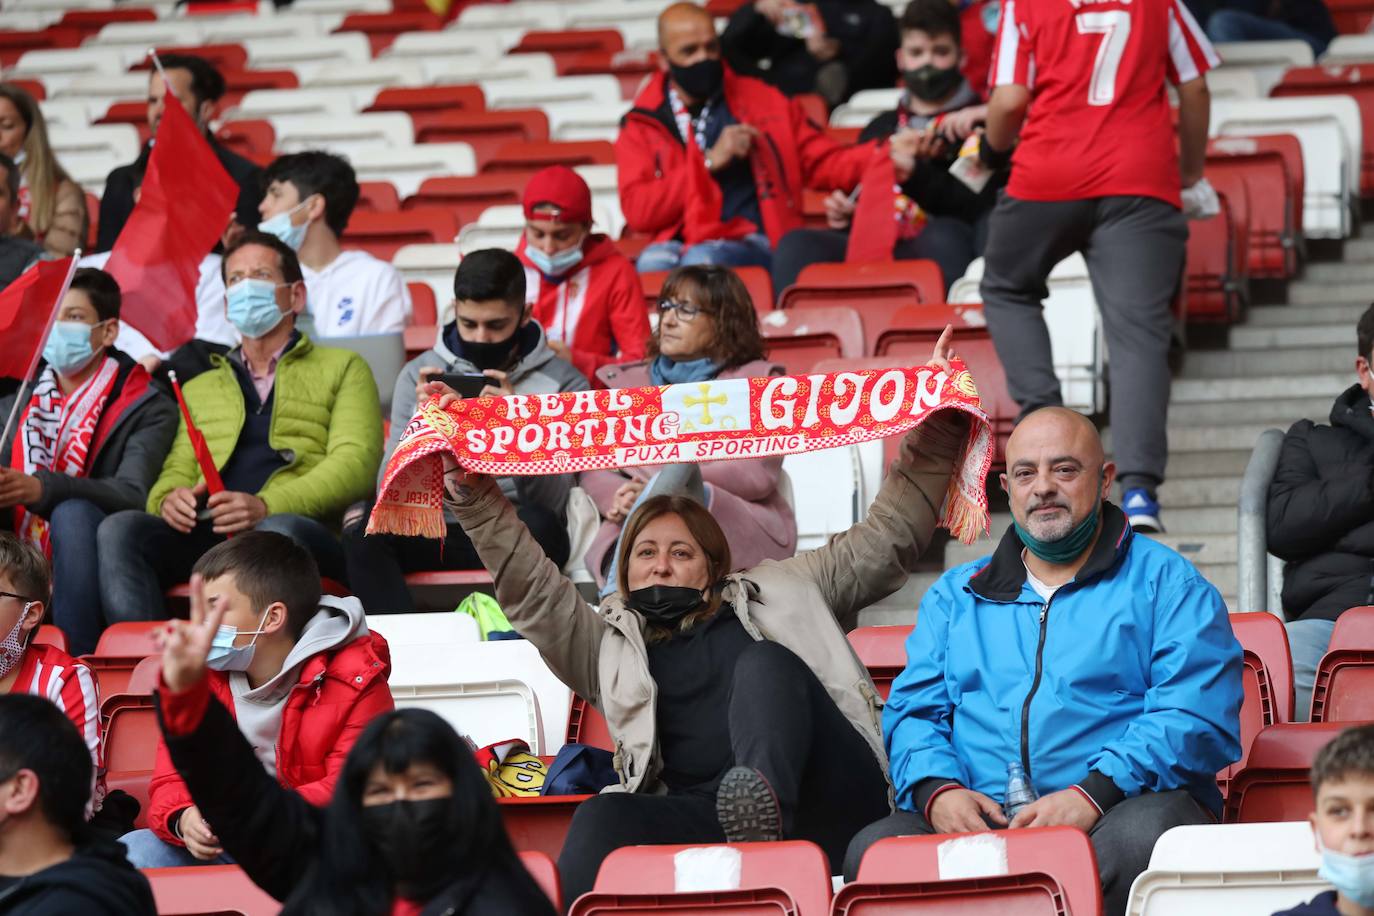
(207, 890)
(130, 744)
(532, 156)
(901, 282)
(630, 68)
(568, 44)
(1274, 784)
(883, 652)
(49, 635)
(132, 113)
(801, 338)
(381, 29)
(143, 680)
(221, 56)
(1051, 870)
(424, 309)
(33, 87)
(252, 139)
(539, 822)
(791, 877)
(487, 132)
(756, 280)
(467, 196)
(93, 219)
(545, 874)
(450, 577)
(1352, 17)
(381, 234)
(377, 197)
(14, 42)
(1363, 94)
(586, 725)
(425, 103)
(92, 21)
(1344, 687)
(1273, 169)
(112, 673)
(1268, 681)
(238, 83)
(128, 639)
(1215, 261)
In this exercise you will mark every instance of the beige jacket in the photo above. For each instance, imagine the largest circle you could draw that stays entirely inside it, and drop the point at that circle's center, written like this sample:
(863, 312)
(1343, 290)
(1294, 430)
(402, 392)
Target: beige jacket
(804, 603)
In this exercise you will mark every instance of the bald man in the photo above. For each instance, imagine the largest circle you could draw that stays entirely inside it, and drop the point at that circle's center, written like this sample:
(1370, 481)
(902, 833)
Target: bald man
(712, 164)
(1100, 661)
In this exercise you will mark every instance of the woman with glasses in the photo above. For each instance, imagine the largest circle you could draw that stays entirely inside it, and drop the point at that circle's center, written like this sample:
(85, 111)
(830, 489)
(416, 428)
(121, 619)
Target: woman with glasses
(707, 329)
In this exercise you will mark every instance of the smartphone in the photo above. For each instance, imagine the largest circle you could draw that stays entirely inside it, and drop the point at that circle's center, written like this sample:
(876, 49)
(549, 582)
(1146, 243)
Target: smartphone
(468, 386)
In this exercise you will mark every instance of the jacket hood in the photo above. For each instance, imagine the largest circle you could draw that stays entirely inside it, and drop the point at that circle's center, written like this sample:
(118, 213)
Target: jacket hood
(533, 360)
(338, 622)
(98, 870)
(1003, 578)
(1351, 411)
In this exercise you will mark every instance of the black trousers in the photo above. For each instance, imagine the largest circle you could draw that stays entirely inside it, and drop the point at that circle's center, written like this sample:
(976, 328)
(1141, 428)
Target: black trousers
(828, 782)
(1122, 839)
(377, 564)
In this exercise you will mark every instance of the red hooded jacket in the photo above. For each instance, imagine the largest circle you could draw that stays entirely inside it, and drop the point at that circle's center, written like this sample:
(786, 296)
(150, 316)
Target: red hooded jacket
(337, 694)
(657, 179)
(597, 309)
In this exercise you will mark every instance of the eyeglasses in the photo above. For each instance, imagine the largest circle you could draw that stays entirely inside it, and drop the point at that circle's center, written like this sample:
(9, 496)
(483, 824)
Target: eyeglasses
(686, 311)
(13, 595)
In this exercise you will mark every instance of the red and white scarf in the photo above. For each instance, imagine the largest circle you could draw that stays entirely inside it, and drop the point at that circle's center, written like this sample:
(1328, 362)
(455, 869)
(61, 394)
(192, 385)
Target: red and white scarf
(56, 436)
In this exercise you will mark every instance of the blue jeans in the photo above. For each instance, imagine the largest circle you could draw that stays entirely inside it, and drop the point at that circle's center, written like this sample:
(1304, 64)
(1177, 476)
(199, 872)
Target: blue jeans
(1238, 25)
(141, 556)
(1307, 642)
(750, 251)
(148, 850)
(76, 576)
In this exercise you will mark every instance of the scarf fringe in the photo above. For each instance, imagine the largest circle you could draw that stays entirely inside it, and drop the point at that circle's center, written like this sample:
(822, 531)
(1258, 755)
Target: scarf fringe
(407, 520)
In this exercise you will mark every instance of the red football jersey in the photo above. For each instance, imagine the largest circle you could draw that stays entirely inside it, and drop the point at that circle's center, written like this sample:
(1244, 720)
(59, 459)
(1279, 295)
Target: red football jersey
(1099, 122)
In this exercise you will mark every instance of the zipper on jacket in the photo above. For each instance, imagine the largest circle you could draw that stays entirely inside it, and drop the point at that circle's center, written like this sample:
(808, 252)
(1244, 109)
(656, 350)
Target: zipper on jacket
(1035, 685)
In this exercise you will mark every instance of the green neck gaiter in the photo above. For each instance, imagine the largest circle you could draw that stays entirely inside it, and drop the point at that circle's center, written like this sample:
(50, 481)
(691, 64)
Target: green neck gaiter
(1066, 548)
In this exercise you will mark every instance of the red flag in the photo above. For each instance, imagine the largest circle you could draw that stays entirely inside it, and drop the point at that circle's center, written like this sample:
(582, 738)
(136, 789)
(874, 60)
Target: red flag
(181, 213)
(873, 228)
(27, 307)
(203, 457)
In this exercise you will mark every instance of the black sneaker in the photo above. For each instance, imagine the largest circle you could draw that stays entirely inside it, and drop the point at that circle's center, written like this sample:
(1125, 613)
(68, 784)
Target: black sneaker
(747, 808)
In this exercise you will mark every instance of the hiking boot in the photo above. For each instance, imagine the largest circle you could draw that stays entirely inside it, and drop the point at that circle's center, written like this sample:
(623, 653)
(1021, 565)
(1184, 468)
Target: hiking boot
(747, 807)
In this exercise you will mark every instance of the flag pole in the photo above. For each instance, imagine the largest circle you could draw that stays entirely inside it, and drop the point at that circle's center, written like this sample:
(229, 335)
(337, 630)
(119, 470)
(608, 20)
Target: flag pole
(157, 62)
(213, 483)
(47, 329)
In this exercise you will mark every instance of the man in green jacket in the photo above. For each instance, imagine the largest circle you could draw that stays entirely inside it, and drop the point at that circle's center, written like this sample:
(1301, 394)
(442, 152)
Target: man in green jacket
(294, 429)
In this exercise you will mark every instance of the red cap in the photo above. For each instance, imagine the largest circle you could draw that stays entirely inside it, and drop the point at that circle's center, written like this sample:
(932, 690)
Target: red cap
(558, 193)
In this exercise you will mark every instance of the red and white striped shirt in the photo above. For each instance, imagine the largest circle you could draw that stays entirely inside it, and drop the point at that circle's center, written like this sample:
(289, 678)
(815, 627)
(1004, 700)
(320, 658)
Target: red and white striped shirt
(46, 671)
(1099, 122)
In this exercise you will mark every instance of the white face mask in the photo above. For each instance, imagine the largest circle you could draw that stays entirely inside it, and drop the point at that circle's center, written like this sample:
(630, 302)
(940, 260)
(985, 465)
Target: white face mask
(225, 656)
(1353, 876)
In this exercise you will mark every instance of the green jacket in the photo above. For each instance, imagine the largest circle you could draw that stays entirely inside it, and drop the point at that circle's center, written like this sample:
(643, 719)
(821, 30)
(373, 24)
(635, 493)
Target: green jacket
(325, 420)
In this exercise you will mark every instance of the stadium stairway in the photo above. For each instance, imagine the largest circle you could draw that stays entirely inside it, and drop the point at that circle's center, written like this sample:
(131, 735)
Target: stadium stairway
(1285, 362)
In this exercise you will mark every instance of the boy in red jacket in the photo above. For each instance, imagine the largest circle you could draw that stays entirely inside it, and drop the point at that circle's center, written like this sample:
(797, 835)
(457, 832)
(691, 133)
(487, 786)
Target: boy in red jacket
(300, 672)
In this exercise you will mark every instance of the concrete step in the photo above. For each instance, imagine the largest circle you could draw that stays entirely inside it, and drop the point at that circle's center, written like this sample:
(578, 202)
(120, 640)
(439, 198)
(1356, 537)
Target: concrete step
(1361, 249)
(1208, 464)
(902, 601)
(1200, 390)
(877, 616)
(1281, 412)
(1223, 576)
(1268, 363)
(1346, 313)
(1235, 436)
(1191, 492)
(1346, 271)
(1311, 292)
(1309, 334)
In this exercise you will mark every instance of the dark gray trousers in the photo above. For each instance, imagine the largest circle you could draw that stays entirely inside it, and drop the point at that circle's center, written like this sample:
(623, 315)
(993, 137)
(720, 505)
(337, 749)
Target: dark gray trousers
(1134, 248)
(1122, 839)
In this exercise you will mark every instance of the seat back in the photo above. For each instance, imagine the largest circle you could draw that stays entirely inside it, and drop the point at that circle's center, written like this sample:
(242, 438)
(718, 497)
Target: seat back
(377, 197)
(141, 683)
(798, 339)
(1344, 686)
(383, 234)
(49, 635)
(899, 282)
(1274, 223)
(586, 725)
(1268, 682)
(1274, 785)
(127, 639)
(882, 650)
(1363, 94)
(828, 493)
(487, 132)
(209, 889)
(1212, 264)
(467, 197)
(545, 874)
(532, 156)
(539, 823)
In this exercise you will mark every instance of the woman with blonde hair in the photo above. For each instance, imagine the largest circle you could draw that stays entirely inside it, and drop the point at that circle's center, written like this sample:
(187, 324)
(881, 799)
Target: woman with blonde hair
(52, 207)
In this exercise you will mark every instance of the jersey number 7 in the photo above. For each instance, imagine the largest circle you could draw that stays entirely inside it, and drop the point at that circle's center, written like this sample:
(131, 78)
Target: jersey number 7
(1115, 28)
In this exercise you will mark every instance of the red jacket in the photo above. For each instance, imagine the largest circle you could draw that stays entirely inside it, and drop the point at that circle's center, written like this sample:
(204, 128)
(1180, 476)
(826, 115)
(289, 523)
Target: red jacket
(653, 167)
(337, 695)
(597, 309)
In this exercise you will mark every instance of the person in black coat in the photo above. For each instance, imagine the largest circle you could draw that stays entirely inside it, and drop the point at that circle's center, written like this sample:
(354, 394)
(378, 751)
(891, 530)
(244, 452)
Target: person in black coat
(412, 817)
(198, 86)
(51, 863)
(1321, 518)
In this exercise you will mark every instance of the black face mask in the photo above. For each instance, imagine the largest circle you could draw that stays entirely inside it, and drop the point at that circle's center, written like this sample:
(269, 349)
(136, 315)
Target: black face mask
(415, 841)
(931, 83)
(701, 80)
(665, 605)
(490, 355)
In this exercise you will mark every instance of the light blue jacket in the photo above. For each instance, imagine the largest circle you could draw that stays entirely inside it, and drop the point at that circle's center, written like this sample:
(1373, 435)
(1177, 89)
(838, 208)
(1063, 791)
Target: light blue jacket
(1135, 688)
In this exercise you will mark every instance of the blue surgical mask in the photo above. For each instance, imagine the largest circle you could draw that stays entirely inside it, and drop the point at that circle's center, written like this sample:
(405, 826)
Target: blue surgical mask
(225, 656)
(1353, 876)
(252, 307)
(282, 227)
(555, 265)
(68, 349)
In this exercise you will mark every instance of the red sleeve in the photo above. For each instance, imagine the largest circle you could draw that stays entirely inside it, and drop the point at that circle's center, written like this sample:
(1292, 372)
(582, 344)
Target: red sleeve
(1012, 61)
(625, 327)
(167, 794)
(825, 164)
(653, 195)
(372, 702)
(1190, 53)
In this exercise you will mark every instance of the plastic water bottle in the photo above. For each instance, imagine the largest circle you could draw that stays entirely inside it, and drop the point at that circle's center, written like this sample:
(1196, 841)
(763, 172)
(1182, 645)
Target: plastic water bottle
(1020, 792)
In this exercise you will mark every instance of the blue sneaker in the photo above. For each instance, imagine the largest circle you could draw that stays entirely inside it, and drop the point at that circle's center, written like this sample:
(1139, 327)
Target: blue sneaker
(1142, 511)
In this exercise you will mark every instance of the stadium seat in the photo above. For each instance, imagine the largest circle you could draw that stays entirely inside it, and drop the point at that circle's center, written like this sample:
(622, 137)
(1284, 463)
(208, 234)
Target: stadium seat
(863, 106)
(1344, 686)
(143, 680)
(434, 51)
(444, 628)
(545, 874)
(1267, 60)
(894, 282)
(530, 156)
(423, 328)
(130, 746)
(425, 103)
(487, 132)
(1214, 272)
(92, 21)
(520, 16)
(467, 197)
(239, 83)
(1051, 870)
(786, 877)
(1275, 197)
(253, 139)
(539, 823)
(491, 71)
(269, 103)
(432, 265)
(34, 88)
(601, 89)
(210, 890)
(1274, 786)
(16, 42)
(383, 234)
(1268, 681)
(226, 56)
(128, 639)
(582, 121)
(370, 76)
(1324, 81)
(377, 197)
(837, 472)
(798, 339)
(586, 725)
(883, 652)
(1349, 49)
(406, 167)
(342, 136)
(630, 68)
(567, 44)
(382, 29)
(49, 635)
(1351, 16)
(488, 712)
(146, 34)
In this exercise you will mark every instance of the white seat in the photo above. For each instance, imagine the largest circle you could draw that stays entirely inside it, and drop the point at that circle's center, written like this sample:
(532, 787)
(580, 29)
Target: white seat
(371, 75)
(1267, 60)
(497, 227)
(308, 54)
(513, 68)
(863, 106)
(343, 136)
(639, 35)
(61, 6)
(343, 7)
(157, 33)
(441, 629)
(105, 142)
(610, 15)
(1329, 131)
(31, 20)
(1350, 49)
(488, 712)
(70, 113)
(406, 167)
(829, 492)
(1224, 847)
(585, 120)
(56, 67)
(438, 47)
(433, 264)
(600, 178)
(1233, 83)
(607, 216)
(273, 103)
(526, 14)
(100, 89)
(601, 89)
(243, 29)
